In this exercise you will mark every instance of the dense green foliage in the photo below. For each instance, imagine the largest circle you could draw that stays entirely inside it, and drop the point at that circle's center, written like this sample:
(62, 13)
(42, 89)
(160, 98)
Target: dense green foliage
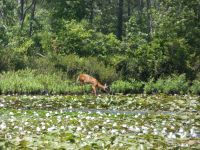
(149, 42)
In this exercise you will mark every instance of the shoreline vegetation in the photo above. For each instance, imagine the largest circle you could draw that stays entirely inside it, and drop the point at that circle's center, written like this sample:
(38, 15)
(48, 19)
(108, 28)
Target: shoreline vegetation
(31, 82)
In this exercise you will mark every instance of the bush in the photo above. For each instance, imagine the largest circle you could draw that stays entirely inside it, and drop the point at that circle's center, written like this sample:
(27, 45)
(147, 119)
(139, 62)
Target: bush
(22, 81)
(171, 85)
(73, 65)
(120, 86)
(195, 88)
(154, 87)
(176, 84)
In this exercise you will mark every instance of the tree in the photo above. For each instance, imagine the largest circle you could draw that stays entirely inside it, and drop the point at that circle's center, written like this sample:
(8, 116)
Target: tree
(120, 19)
(149, 20)
(32, 17)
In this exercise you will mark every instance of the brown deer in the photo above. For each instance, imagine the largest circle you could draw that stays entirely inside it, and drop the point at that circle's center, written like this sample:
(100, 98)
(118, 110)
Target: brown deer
(87, 79)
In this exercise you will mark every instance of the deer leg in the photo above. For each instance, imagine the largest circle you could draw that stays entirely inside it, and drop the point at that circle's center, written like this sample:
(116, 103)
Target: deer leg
(94, 90)
(82, 88)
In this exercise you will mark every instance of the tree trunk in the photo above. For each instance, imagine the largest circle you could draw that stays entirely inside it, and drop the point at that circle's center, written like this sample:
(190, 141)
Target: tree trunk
(149, 20)
(21, 14)
(120, 19)
(129, 8)
(140, 6)
(91, 11)
(32, 17)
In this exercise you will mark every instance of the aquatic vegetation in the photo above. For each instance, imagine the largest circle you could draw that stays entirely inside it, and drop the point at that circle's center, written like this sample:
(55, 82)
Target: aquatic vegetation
(116, 102)
(105, 122)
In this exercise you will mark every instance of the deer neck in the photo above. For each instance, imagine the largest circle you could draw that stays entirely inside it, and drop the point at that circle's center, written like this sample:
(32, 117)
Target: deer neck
(101, 86)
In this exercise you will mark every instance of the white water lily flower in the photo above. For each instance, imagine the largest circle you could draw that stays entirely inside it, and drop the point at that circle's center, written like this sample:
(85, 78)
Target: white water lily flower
(141, 146)
(137, 129)
(115, 124)
(36, 114)
(104, 131)
(43, 127)
(131, 128)
(171, 135)
(108, 120)
(136, 116)
(88, 137)
(47, 114)
(124, 126)
(61, 111)
(22, 132)
(155, 131)
(11, 113)
(123, 131)
(3, 126)
(15, 127)
(181, 130)
(163, 122)
(81, 124)
(78, 129)
(59, 119)
(164, 131)
(12, 119)
(114, 131)
(96, 127)
(1, 105)
(38, 129)
(98, 112)
(145, 131)
(26, 123)
(20, 128)
(192, 132)
(51, 128)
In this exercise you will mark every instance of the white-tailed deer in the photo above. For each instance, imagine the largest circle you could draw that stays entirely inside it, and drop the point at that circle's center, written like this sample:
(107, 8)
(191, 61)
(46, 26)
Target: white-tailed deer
(87, 79)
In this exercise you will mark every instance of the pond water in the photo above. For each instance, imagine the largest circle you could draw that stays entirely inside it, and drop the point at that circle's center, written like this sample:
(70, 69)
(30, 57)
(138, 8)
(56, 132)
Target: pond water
(103, 122)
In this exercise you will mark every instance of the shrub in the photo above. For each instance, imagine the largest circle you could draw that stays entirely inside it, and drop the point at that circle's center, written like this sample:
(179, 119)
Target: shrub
(171, 85)
(22, 81)
(176, 84)
(73, 65)
(195, 88)
(120, 86)
(154, 87)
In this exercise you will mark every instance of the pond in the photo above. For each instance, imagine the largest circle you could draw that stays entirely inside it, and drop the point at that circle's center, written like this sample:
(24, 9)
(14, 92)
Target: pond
(103, 122)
